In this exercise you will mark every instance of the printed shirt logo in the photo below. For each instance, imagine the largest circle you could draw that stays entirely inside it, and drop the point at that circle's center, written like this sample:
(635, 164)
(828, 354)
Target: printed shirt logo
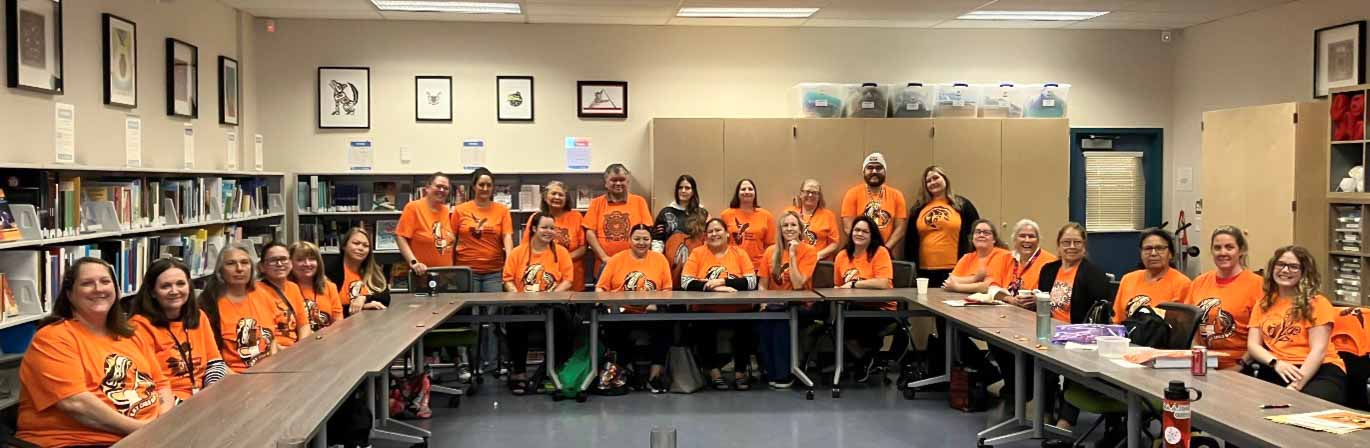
(935, 216)
(879, 214)
(741, 233)
(1060, 296)
(637, 281)
(616, 226)
(317, 318)
(354, 290)
(1360, 315)
(1282, 330)
(537, 279)
(563, 237)
(681, 254)
(176, 365)
(130, 390)
(440, 240)
(249, 338)
(478, 229)
(851, 275)
(718, 272)
(1215, 322)
(810, 238)
(782, 276)
(1137, 303)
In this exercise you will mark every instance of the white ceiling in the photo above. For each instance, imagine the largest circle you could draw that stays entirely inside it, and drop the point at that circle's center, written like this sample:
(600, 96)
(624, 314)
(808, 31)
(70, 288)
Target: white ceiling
(1124, 14)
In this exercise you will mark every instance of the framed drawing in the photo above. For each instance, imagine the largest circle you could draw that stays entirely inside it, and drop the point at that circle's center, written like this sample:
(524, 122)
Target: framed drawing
(1338, 57)
(34, 53)
(230, 96)
(182, 79)
(344, 97)
(433, 98)
(514, 98)
(120, 51)
(602, 99)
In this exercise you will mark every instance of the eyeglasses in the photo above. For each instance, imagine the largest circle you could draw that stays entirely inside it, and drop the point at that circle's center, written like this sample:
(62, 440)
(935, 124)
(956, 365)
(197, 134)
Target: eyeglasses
(1291, 267)
(979, 232)
(278, 261)
(812, 192)
(1071, 243)
(1155, 249)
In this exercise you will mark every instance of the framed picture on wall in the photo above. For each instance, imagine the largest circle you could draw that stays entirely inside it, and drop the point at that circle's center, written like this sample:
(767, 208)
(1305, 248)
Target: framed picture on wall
(344, 97)
(120, 51)
(514, 98)
(230, 96)
(602, 99)
(433, 98)
(1338, 57)
(182, 79)
(34, 50)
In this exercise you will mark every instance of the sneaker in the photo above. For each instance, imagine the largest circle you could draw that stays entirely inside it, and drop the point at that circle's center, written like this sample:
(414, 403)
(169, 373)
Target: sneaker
(786, 383)
(658, 385)
(864, 367)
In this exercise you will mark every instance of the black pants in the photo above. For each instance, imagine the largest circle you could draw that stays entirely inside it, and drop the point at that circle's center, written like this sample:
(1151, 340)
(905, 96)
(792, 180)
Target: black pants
(868, 333)
(1328, 384)
(936, 277)
(519, 333)
(743, 343)
(640, 342)
(1357, 372)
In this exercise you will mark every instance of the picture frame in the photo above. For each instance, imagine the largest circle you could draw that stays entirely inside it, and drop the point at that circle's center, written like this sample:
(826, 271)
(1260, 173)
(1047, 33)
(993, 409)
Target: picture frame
(119, 51)
(514, 99)
(433, 98)
(344, 97)
(34, 49)
(1338, 57)
(230, 91)
(602, 99)
(182, 79)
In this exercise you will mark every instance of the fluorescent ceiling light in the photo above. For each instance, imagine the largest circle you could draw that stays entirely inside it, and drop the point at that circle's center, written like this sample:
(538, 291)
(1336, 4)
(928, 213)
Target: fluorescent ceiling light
(444, 6)
(750, 13)
(1058, 16)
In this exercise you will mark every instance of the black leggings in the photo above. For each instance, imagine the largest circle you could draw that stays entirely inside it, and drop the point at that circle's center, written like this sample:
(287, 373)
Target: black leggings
(1328, 384)
(743, 343)
(1357, 372)
(640, 341)
(868, 333)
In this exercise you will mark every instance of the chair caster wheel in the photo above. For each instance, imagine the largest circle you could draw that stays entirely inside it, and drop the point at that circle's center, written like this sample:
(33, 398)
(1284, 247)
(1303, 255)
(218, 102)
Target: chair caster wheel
(910, 393)
(581, 397)
(836, 392)
(981, 444)
(808, 395)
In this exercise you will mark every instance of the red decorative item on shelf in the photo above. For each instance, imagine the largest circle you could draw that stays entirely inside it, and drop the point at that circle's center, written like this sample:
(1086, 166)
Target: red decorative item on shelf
(1348, 117)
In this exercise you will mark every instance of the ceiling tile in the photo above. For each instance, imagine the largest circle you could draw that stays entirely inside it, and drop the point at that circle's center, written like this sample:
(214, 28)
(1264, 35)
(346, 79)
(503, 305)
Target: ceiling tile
(888, 10)
(1015, 24)
(599, 20)
(1226, 8)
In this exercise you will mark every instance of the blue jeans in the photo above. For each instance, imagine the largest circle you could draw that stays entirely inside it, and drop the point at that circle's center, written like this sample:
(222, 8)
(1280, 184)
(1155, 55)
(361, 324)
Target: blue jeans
(490, 282)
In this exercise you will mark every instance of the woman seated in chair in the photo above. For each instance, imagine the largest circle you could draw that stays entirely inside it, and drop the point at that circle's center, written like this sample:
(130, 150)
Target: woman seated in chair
(719, 266)
(539, 265)
(1226, 296)
(785, 266)
(640, 269)
(1024, 267)
(1293, 324)
(166, 314)
(976, 270)
(865, 264)
(1157, 282)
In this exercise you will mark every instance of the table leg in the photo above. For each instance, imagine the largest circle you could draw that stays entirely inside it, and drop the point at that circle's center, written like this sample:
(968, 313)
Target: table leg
(949, 341)
(1039, 393)
(1019, 406)
(839, 343)
(795, 368)
(549, 359)
(321, 437)
(594, 350)
(1134, 421)
(384, 420)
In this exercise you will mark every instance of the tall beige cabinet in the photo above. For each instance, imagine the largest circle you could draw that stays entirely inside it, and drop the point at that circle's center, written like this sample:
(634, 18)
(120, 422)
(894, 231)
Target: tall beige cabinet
(1264, 170)
(1010, 168)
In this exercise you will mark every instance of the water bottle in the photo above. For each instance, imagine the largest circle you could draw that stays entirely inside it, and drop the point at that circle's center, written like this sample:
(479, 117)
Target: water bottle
(1176, 418)
(1044, 326)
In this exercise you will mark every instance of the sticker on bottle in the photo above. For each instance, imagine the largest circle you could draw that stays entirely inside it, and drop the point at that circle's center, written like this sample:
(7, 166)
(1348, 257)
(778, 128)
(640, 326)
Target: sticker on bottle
(1048, 103)
(820, 103)
(867, 104)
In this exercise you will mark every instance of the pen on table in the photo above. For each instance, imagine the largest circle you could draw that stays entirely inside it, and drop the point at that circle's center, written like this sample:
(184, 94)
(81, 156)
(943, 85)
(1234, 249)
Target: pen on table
(1274, 406)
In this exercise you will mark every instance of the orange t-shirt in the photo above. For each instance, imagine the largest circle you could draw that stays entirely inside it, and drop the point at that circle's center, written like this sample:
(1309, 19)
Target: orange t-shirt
(780, 280)
(751, 231)
(167, 344)
(480, 235)
(939, 235)
(246, 329)
(846, 269)
(885, 207)
(1030, 275)
(1350, 333)
(626, 272)
(286, 318)
(1135, 290)
(1061, 291)
(539, 272)
(612, 223)
(429, 233)
(678, 248)
(353, 286)
(324, 308)
(66, 359)
(1287, 339)
(703, 265)
(999, 260)
(571, 235)
(820, 230)
(1226, 307)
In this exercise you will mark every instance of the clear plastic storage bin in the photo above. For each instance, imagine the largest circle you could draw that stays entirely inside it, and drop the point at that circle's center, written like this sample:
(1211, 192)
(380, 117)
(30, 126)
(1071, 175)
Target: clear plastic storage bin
(1047, 101)
(868, 101)
(959, 100)
(1004, 100)
(913, 100)
(820, 100)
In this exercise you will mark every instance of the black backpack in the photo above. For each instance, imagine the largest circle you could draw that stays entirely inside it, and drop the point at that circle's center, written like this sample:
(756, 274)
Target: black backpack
(1100, 313)
(1147, 329)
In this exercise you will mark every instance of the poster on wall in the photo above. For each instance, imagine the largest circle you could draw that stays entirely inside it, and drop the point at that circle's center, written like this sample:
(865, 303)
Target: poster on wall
(120, 49)
(344, 98)
(472, 154)
(359, 155)
(1338, 57)
(577, 153)
(602, 99)
(230, 98)
(514, 98)
(64, 132)
(34, 50)
(433, 98)
(183, 79)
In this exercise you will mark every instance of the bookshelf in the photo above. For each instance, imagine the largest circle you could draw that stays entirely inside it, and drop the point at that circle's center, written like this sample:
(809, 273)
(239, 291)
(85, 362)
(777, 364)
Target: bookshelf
(1348, 199)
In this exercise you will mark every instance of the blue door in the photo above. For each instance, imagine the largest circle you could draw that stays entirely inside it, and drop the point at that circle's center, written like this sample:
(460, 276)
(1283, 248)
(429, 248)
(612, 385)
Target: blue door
(1116, 252)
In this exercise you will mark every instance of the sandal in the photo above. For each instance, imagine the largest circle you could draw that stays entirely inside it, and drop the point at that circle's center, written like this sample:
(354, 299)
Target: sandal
(719, 383)
(518, 387)
(744, 383)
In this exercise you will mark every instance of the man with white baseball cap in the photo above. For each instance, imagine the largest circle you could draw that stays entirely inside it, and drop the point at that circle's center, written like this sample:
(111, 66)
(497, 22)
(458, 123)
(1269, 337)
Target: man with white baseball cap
(882, 203)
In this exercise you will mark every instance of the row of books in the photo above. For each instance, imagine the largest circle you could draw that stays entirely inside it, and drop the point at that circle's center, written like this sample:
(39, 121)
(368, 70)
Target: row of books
(328, 236)
(321, 195)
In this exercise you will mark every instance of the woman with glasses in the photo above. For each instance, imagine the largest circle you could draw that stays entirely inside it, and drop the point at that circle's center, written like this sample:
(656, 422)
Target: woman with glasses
(1294, 329)
(819, 226)
(977, 269)
(1156, 283)
(291, 321)
(424, 235)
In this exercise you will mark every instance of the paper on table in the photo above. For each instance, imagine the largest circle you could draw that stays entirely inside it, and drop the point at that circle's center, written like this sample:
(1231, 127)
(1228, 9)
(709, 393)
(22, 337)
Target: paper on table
(1126, 364)
(1081, 347)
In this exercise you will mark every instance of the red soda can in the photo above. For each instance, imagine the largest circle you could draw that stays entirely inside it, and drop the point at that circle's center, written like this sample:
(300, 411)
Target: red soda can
(1198, 361)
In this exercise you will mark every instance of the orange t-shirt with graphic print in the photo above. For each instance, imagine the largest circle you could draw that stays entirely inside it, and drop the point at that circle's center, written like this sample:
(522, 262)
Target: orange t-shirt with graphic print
(845, 269)
(430, 234)
(571, 235)
(751, 231)
(998, 261)
(246, 329)
(287, 311)
(626, 272)
(353, 286)
(200, 349)
(1288, 339)
(678, 248)
(1135, 290)
(1013, 270)
(884, 207)
(538, 272)
(820, 230)
(480, 235)
(64, 360)
(612, 222)
(323, 308)
(1350, 332)
(806, 260)
(703, 265)
(1061, 292)
(1226, 306)
(939, 234)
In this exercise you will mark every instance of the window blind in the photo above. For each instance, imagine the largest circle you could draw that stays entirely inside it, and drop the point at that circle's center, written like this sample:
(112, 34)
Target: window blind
(1115, 191)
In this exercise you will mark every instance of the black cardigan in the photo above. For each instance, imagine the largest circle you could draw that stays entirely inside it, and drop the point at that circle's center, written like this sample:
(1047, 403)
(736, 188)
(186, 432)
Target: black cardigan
(912, 241)
(333, 268)
(1091, 286)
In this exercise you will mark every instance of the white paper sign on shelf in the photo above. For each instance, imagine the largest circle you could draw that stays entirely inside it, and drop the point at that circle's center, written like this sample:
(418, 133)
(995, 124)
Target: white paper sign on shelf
(232, 159)
(133, 141)
(65, 132)
(360, 156)
(188, 147)
(257, 151)
(577, 153)
(473, 154)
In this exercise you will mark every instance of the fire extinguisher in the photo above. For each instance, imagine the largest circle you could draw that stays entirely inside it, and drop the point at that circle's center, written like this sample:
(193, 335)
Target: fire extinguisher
(1176, 419)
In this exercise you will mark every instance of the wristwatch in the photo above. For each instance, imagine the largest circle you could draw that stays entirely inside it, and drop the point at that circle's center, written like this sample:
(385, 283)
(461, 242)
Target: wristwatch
(1272, 362)
(413, 262)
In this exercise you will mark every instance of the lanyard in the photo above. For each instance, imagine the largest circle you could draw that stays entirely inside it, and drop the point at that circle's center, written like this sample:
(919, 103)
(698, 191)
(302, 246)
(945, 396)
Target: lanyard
(185, 356)
(1018, 272)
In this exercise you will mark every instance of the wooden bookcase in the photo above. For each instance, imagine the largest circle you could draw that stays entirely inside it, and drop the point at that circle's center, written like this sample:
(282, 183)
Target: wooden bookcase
(1346, 277)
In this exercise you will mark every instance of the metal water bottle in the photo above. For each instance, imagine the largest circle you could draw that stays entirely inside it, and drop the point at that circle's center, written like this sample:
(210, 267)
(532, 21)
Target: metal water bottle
(1043, 317)
(1175, 421)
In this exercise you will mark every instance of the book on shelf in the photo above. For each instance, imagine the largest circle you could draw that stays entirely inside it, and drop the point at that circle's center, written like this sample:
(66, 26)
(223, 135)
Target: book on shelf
(8, 308)
(504, 194)
(385, 234)
(530, 196)
(9, 229)
(346, 197)
(383, 196)
(583, 196)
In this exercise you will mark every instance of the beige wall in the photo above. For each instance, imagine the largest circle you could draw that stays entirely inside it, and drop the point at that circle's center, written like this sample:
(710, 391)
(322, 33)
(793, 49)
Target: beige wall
(26, 118)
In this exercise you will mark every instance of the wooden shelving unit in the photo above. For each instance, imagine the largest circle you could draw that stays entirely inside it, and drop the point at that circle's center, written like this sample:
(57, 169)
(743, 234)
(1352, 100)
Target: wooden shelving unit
(1346, 260)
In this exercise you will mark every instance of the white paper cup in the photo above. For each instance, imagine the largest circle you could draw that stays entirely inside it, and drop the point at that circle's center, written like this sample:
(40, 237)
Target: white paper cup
(922, 286)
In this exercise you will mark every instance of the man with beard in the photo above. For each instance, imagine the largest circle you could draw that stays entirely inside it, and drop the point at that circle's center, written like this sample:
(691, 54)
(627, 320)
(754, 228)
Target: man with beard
(882, 203)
